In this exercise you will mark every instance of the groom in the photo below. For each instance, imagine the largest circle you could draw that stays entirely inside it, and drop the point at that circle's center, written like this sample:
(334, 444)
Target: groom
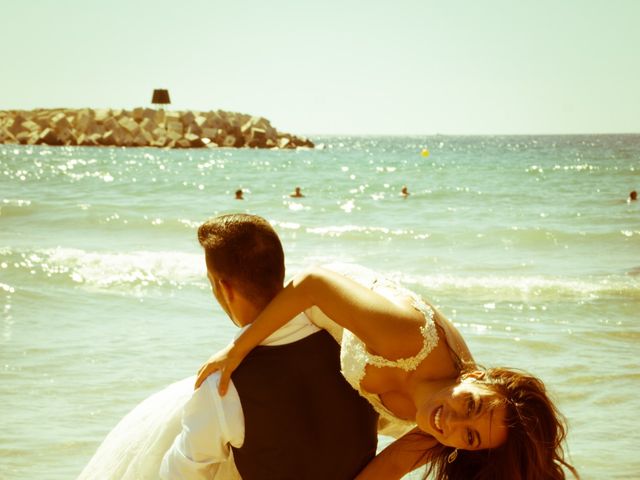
(288, 412)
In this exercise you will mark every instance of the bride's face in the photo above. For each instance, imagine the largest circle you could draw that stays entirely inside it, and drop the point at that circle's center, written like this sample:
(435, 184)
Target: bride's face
(464, 416)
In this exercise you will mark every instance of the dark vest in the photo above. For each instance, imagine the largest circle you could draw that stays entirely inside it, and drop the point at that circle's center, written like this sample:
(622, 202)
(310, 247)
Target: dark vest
(303, 421)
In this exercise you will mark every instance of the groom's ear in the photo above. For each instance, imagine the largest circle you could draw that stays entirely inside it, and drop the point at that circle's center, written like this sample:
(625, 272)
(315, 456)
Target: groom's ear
(228, 292)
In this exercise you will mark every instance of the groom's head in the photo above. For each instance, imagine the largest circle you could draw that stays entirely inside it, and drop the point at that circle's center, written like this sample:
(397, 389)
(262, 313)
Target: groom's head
(244, 256)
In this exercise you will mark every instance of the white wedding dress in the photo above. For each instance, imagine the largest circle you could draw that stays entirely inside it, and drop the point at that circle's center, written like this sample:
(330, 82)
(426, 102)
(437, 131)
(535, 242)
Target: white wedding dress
(133, 450)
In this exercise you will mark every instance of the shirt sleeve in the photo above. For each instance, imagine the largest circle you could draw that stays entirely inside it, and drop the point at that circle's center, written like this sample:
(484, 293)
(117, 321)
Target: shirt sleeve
(210, 426)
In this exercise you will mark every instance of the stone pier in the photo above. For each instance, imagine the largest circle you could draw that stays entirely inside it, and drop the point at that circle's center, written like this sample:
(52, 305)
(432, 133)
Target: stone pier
(142, 127)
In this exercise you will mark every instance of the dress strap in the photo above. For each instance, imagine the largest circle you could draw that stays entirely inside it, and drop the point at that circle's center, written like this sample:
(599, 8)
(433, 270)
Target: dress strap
(429, 334)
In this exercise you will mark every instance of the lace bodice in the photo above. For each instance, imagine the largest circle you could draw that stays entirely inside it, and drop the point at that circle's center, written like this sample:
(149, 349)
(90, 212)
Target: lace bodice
(354, 356)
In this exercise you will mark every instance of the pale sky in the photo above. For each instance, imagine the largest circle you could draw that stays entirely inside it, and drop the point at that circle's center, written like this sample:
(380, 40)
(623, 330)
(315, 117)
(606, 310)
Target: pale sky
(336, 66)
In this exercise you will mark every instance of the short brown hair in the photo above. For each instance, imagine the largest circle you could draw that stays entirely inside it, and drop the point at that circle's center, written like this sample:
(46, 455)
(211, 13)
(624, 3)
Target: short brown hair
(244, 250)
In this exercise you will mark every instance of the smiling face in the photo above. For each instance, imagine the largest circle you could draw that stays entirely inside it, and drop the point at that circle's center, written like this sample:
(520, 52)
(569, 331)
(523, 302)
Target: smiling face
(467, 416)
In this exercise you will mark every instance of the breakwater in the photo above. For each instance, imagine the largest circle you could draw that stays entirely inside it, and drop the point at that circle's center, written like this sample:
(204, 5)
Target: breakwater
(142, 127)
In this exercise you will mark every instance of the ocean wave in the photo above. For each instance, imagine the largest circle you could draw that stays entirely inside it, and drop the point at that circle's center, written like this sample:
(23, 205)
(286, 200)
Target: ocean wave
(134, 271)
(128, 272)
(538, 287)
(515, 235)
(342, 230)
(15, 207)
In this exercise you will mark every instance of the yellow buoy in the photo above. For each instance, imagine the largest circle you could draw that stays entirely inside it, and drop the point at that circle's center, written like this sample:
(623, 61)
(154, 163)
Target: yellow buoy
(425, 152)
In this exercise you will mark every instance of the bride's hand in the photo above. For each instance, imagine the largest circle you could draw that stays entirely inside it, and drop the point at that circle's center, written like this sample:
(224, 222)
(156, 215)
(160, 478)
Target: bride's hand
(226, 360)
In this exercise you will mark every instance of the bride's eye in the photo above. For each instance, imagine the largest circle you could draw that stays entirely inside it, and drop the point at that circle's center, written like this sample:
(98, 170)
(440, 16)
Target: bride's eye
(470, 438)
(470, 405)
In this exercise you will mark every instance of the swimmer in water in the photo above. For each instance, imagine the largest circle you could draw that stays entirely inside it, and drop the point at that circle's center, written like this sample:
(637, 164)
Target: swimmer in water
(297, 193)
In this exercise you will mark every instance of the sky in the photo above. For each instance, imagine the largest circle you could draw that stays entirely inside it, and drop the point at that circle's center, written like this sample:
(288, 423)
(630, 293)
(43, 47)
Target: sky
(402, 67)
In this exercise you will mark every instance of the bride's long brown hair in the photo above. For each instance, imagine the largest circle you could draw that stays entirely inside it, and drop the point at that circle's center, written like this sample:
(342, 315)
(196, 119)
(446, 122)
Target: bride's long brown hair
(534, 446)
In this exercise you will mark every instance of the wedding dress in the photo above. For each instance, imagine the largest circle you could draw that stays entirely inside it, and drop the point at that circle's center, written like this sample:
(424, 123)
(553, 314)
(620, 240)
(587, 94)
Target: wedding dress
(133, 450)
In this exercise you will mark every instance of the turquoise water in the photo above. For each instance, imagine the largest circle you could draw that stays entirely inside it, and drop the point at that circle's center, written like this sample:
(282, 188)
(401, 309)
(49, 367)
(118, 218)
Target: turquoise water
(527, 243)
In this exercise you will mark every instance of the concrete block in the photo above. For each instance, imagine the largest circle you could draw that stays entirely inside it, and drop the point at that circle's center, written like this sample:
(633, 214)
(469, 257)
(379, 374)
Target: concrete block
(209, 133)
(139, 140)
(23, 136)
(6, 136)
(175, 127)
(48, 137)
(229, 141)
(149, 113)
(194, 128)
(256, 138)
(31, 126)
(64, 135)
(101, 115)
(160, 116)
(187, 118)
(148, 125)
(129, 125)
(93, 139)
(159, 132)
(284, 142)
(252, 122)
(42, 118)
(16, 127)
(137, 114)
(172, 116)
(194, 140)
(174, 136)
(108, 139)
(83, 121)
(148, 137)
(126, 139)
(111, 124)
(33, 138)
(60, 121)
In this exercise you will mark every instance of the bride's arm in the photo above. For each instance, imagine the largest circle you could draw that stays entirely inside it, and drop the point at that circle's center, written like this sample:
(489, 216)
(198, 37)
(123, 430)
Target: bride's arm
(406, 454)
(387, 328)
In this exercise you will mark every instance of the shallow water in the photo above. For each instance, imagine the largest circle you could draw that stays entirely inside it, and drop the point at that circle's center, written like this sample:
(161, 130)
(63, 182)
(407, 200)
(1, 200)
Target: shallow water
(527, 243)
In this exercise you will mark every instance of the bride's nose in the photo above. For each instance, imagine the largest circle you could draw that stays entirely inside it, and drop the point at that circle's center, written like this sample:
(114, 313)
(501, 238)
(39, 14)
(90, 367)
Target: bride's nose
(455, 420)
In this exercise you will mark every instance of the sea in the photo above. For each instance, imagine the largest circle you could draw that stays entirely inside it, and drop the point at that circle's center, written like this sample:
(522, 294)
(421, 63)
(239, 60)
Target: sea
(527, 243)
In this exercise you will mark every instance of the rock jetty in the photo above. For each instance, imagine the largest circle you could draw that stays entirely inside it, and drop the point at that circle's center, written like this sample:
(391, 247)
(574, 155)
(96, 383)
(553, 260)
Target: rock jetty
(142, 127)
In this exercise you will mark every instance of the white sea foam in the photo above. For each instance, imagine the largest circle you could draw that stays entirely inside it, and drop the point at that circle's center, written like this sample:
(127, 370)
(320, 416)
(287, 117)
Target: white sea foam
(16, 202)
(113, 270)
(7, 288)
(527, 286)
(339, 230)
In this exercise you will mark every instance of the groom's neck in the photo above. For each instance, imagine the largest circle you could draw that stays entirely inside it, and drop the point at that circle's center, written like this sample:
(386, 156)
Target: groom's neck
(248, 310)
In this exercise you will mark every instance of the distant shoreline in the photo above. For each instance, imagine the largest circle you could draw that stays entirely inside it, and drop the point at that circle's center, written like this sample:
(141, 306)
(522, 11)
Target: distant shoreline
(142, 127)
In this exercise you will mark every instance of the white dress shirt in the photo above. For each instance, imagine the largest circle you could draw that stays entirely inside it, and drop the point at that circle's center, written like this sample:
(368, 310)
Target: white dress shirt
(211, 424)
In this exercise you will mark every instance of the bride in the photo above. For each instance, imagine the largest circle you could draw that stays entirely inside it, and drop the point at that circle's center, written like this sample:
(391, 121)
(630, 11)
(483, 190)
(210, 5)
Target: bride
(415, 369)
